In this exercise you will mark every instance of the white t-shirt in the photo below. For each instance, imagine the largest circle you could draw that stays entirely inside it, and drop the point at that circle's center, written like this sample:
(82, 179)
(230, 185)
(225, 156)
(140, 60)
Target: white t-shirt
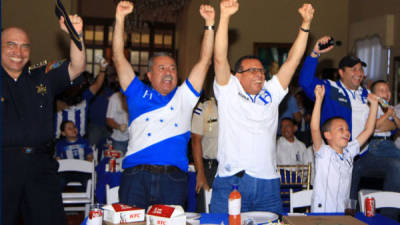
(359, 111)
(291, 153)
(247, 128)
(333, 177)
(117, 113)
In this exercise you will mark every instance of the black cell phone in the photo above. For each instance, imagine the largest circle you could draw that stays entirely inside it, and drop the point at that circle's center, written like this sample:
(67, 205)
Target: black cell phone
(326, 45)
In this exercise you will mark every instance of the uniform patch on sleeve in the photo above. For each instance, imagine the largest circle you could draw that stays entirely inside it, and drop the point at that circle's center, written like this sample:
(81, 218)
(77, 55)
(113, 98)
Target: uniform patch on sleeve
(197, 111)
(37, 66)
(53, 65)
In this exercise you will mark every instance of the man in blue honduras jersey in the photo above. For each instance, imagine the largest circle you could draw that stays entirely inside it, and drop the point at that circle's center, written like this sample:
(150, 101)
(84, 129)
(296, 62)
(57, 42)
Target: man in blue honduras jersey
(156, 162)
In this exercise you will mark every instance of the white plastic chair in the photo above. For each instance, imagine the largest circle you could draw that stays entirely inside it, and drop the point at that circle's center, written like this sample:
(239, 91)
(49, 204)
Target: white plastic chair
(112, 194)
(95, 155)
(207, 199)
(300, 199)
(383, 199)
(78, 198)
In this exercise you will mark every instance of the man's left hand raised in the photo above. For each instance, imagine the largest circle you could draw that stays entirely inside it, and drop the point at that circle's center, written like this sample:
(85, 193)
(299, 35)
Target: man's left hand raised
(76, 21)
(208, 14)
(307, 12)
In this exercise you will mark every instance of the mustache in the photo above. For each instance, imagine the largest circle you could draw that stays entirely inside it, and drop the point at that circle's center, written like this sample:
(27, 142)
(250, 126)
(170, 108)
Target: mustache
(167, 77)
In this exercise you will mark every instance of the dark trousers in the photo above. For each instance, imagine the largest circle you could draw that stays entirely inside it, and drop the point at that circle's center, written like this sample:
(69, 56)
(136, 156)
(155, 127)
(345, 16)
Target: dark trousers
(31, 186)
(374, 166)
(142, 188)
(210, 169)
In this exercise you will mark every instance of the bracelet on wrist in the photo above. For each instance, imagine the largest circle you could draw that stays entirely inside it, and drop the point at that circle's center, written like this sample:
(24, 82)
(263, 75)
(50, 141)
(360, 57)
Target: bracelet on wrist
(212, 27)
(305, 30)
(316, 53)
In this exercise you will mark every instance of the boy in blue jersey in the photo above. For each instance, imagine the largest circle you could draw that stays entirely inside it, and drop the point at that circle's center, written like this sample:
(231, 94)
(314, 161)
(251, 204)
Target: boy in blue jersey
(72, 146)
(156, 163)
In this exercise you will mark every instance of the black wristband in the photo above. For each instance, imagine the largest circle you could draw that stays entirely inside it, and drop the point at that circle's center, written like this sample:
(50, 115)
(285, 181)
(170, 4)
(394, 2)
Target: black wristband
(212, 27)
(305, 30)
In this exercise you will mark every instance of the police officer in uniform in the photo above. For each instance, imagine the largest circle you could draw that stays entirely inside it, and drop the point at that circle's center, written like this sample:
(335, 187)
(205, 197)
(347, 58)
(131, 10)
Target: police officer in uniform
(30, 183)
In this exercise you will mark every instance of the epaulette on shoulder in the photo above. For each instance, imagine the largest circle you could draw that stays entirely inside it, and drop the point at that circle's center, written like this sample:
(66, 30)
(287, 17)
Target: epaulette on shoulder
(37, 66)
(54, 64)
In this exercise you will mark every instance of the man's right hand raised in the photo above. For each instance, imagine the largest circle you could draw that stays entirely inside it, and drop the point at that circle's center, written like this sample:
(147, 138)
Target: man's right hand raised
(229, 7)
(316, 52)
(123, 9)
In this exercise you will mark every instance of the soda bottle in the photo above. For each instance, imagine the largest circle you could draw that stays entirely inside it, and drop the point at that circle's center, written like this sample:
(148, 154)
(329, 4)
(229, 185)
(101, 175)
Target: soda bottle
(234, 206)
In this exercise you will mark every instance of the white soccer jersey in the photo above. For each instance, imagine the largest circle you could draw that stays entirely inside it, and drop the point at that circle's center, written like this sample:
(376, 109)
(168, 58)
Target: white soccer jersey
(247, 128)
(333, 177)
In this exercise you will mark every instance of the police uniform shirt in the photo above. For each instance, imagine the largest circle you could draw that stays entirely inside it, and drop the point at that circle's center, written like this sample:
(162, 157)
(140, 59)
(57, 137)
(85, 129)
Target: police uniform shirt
(247, 128)
(333, 177)
(205, 123)
(27, 104)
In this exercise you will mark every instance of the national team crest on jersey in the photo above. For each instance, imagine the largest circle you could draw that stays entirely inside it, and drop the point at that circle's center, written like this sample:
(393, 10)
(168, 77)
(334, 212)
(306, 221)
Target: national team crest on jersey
(265, 96)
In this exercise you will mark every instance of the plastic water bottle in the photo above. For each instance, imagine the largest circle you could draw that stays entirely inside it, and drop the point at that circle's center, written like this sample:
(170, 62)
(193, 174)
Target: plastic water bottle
(234, 206)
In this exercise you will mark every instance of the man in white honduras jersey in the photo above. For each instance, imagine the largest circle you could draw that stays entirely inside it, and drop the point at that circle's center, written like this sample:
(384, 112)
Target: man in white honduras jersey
(248, 119)
(159, 119)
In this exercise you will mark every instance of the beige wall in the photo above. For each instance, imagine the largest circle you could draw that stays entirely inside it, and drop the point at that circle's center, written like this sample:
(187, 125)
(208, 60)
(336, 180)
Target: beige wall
(268, 21)
(39, 20)
(370, 17)
(378, 14)
(257, 21)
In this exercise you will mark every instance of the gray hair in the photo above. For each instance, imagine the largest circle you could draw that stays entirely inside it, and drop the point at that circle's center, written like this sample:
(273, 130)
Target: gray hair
(151, 60)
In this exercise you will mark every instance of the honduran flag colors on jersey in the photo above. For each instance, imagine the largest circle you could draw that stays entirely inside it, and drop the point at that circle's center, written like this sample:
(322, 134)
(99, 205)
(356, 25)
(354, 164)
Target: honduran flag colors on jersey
(159, 126)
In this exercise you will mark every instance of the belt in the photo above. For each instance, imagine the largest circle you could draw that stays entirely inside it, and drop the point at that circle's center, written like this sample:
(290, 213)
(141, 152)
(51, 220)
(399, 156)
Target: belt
(30, 150)
(382, 138)
(157, 168)
(210, 163)
(240, 174)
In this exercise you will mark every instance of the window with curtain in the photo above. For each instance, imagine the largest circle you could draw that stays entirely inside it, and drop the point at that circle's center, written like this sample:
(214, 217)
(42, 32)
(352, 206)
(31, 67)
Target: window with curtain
(371, 51)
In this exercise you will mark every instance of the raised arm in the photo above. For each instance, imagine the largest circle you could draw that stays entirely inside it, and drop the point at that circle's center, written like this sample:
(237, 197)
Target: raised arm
(122, 65)
(316, 117)
(77, 57)
(307, 79)
(199, 71)
(296, 52)
(384, 123)
(370, 125)
(95, 87)
(221, 64)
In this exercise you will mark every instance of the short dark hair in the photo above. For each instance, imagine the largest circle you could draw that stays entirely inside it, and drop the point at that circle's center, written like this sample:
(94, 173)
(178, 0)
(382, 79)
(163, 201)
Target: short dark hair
(376, 83)
(64, 123)
(289, 119)
(328, 123)
(238, 64)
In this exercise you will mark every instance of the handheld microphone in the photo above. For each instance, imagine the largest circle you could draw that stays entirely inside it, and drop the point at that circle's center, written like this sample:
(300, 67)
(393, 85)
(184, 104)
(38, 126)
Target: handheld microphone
(331, 42)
